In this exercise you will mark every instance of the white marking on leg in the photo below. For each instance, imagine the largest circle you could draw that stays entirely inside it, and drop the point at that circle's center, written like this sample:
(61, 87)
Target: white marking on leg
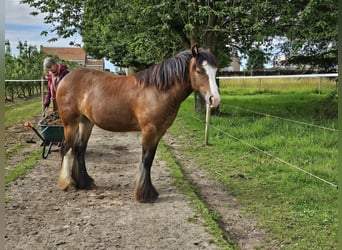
(214, 93)
(68, 162)
(65, 178)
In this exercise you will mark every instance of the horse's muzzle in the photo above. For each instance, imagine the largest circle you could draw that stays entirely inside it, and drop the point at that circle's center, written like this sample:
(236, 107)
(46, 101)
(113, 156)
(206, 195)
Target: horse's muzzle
(214, 101)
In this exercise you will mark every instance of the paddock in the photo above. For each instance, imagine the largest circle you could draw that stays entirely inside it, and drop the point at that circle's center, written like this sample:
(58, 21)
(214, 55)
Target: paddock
(245, 169)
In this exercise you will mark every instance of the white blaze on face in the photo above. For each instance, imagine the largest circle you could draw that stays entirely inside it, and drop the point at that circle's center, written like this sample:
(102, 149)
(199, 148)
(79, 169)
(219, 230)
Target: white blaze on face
(214, 95)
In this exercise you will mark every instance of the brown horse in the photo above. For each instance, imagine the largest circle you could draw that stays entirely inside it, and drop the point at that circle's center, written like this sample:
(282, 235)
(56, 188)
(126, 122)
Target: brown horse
(147, 101)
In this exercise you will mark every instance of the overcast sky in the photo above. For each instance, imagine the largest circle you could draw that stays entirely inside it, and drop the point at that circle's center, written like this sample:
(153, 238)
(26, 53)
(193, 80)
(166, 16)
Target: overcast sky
(21, 26)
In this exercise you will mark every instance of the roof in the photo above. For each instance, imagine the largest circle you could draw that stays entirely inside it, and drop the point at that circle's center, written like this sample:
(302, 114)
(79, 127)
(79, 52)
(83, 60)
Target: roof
(94, 62)
(65, 53)
(74, 54)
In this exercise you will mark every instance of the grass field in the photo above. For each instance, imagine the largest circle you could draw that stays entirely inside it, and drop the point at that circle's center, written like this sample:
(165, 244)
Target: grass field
(299, 211)
(18, 112)
(21, 110)
(277, 85)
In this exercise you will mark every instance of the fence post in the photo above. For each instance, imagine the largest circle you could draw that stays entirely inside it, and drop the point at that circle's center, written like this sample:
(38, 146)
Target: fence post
(12, 93)
(207, 119)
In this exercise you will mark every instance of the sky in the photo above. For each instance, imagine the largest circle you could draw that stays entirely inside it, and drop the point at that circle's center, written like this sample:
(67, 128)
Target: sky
(21, 26)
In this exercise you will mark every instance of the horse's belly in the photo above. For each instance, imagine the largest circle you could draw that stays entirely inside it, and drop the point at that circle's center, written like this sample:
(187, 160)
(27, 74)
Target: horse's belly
(115, 127)
(113, 117)
(121, 123)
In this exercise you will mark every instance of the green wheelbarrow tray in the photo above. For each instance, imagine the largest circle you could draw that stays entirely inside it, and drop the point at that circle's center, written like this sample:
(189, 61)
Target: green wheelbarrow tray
(49, 134)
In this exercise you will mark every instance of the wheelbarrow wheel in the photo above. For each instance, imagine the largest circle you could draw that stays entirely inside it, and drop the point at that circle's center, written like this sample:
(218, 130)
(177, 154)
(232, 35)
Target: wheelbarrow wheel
(45, 152)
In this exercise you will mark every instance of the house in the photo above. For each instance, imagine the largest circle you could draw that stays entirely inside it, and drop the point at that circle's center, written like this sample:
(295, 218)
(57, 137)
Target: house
(76, 55)
(234, 66)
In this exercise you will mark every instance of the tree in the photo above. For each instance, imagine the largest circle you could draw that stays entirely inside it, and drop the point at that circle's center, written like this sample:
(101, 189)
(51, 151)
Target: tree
(113, 30)
(139, 32)
(256, 59)
(64, 16)
(159, 31)
(28, 64)
(312, 32)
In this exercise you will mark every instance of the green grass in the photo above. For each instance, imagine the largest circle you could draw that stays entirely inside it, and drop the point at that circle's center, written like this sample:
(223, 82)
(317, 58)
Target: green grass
(210, 217)
(280, 85)
(15, 113)
(19, 112)
(297, 210)
(306, 107)
(22, 111)
(14, 150)
(22, 168)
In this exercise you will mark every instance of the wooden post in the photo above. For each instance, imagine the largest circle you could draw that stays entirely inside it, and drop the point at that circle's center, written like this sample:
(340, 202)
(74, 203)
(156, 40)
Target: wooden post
(207, 119)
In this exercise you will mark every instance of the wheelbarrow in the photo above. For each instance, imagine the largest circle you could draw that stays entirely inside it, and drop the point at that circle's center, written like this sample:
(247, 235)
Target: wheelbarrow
(49, 134)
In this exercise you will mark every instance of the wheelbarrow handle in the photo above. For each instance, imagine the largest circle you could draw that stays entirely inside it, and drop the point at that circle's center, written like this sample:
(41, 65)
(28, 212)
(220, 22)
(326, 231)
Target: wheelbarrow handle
(29, 125)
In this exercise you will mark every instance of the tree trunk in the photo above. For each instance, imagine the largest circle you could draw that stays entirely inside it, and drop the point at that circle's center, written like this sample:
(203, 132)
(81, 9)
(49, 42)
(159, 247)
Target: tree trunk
(199, 103)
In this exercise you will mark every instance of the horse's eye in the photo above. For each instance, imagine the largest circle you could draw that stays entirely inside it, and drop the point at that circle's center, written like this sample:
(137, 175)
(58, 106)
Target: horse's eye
(199, 71)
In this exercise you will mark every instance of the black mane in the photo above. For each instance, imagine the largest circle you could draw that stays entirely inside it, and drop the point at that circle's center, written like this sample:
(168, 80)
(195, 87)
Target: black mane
(175, 69)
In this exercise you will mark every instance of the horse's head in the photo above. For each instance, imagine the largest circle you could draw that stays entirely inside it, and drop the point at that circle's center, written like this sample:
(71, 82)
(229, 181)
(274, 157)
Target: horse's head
(202, 71)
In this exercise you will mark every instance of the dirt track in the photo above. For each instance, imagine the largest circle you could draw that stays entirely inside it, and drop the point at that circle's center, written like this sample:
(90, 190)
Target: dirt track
(39, 216)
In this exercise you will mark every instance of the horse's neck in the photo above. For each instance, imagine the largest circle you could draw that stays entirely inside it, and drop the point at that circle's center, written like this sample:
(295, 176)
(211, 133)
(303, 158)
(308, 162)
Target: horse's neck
(182, 90)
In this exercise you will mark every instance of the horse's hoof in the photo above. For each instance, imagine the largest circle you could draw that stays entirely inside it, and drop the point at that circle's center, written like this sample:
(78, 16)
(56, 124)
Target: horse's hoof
(65, 184)
(89, 184)
(147, 200)
(146, 197)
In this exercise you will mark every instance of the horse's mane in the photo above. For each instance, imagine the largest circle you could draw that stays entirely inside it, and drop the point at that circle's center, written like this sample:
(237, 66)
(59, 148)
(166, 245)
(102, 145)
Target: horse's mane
(175, 69)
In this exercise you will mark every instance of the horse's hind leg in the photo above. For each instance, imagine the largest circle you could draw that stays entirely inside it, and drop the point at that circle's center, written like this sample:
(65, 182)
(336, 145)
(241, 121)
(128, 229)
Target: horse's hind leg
(79, 173)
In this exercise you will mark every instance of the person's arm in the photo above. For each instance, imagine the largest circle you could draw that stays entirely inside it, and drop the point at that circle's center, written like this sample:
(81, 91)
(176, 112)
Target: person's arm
(47, 98)
(63, 71)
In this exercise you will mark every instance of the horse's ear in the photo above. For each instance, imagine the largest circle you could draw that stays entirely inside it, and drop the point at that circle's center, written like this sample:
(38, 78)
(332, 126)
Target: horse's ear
(194, 50)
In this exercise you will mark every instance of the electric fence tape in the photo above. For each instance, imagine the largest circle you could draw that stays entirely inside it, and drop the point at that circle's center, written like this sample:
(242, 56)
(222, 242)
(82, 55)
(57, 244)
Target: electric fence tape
(270, 155)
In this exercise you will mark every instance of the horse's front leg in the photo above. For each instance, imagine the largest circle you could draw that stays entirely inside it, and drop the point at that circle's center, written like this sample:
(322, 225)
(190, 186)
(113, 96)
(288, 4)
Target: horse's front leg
(65, 179)
(73, 171)
(79, 171)
(144, 190)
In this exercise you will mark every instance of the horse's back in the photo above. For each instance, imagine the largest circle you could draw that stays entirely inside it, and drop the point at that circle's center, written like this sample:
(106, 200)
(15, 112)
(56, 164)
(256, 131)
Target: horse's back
(105, 99)
(86, 76)
(91, 81)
